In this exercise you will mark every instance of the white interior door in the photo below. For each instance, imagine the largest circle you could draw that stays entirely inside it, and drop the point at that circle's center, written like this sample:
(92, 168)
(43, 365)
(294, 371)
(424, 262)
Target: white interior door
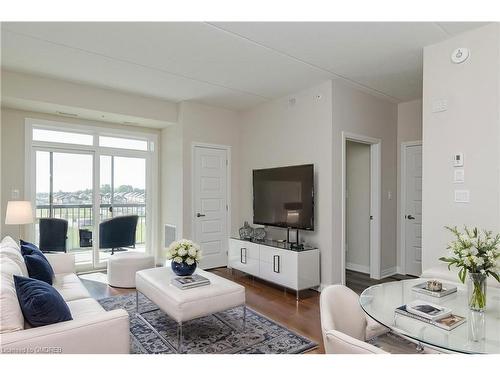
(210, 205)
(413, 213)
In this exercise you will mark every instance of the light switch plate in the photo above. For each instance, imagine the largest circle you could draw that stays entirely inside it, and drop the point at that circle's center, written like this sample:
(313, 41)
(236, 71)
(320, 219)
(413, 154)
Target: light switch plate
(462, 196)
(458, 176)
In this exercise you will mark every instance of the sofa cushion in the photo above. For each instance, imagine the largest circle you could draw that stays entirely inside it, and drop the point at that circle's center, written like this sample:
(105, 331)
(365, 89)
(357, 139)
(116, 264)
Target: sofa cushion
(11, 316)
(8, 241)
(70, 287)
(41, 304)
(84, 307)
(12, 253)
(39, 268)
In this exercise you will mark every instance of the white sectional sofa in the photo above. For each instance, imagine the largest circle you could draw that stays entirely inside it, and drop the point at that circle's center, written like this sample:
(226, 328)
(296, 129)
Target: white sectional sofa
(92, 330)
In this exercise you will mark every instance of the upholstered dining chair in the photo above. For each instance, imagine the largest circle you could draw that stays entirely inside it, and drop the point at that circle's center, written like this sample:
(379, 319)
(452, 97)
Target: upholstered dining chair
(344, 324)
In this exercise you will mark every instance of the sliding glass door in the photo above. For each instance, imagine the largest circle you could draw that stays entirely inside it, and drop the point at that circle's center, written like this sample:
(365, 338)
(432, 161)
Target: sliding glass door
(122, 191)
(86, 178)
(64, 190)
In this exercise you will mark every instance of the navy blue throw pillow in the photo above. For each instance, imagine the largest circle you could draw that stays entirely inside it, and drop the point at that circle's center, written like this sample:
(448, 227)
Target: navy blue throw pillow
(40, 303)
(27, 248)
(39, 268)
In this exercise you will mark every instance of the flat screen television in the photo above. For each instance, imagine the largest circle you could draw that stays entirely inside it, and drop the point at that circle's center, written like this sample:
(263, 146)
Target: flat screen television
(284, 197)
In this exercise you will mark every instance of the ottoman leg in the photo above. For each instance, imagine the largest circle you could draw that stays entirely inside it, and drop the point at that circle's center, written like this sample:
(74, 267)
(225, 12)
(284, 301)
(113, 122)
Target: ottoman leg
(179, 338)
(137, 301)
(244, 317)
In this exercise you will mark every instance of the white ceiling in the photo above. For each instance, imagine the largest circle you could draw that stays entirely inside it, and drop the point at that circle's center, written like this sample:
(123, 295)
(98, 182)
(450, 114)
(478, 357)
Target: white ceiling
(233, 65)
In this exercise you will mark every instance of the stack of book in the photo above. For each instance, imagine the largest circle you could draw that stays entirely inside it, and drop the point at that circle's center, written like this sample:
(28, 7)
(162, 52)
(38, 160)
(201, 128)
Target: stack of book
(436, 315)
(188, 282)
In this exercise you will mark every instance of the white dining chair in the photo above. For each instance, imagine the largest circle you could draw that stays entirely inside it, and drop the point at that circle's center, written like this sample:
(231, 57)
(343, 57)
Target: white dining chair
(344, 324)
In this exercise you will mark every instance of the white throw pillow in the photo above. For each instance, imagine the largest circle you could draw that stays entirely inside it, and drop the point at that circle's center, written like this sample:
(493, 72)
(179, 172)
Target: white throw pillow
(11, 316)
(14, 254)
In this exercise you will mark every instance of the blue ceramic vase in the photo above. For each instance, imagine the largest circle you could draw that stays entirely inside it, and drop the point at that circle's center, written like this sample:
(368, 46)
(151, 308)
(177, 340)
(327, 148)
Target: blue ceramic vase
(183, 269)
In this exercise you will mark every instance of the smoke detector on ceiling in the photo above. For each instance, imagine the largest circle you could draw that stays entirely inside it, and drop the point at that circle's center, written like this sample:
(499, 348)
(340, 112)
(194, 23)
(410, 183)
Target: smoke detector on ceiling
(460, 55)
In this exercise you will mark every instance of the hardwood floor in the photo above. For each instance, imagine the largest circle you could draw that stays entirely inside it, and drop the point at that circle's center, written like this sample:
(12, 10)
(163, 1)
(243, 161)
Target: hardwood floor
(276, 303)
(358, 281)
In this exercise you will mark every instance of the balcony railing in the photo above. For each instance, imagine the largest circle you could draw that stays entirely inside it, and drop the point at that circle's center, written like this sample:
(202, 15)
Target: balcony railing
(80, 216)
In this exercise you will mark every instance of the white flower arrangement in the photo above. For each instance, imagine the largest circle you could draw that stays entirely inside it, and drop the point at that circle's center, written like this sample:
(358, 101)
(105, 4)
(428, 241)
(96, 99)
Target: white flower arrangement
(474, 251)
(184, 251)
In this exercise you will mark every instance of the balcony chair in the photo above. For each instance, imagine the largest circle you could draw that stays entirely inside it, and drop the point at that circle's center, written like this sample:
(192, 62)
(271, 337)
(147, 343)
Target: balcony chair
(53, 235)
(118, 232)
(344, 324)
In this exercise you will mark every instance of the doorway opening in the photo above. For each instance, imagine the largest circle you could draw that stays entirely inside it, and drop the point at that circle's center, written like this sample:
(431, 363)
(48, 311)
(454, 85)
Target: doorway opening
(361, 202)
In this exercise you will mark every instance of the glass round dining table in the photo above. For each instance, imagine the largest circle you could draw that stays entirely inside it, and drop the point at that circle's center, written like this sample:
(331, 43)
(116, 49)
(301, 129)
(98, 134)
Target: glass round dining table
(479, 334)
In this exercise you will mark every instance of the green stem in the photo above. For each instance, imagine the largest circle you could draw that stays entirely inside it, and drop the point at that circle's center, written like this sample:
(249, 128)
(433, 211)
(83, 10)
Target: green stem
(478, 298)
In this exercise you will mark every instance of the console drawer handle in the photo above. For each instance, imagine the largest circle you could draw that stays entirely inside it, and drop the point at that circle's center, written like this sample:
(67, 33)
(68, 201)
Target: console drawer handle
(243, 255)
(276, 263)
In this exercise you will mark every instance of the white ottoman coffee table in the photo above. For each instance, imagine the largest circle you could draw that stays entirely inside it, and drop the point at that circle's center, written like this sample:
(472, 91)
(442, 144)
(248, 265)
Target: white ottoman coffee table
(185, 305)
(123, 266)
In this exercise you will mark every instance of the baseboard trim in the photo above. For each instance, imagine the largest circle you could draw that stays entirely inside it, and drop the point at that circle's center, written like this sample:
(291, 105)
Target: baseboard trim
(357, 268)
(389, 272)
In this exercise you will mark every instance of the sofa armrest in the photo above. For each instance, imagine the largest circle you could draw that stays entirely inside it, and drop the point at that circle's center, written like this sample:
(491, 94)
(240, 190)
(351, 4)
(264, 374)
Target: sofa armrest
(104, 332)
(61, 263)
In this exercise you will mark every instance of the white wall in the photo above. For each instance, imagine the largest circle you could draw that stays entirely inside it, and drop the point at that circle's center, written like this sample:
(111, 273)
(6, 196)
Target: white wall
(197, 123)
(357, 112)
(358, 206)
(171, 175)
(470, 125)
(277, 134)
(409, 130)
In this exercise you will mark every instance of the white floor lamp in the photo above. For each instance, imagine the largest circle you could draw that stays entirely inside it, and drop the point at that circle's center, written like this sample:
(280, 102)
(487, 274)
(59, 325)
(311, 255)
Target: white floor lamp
(19, 213)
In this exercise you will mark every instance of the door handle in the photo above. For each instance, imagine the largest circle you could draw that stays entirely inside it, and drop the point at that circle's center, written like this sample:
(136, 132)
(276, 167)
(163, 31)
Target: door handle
(276, 262)
(409, 217)
(200, 215)
(243, 258)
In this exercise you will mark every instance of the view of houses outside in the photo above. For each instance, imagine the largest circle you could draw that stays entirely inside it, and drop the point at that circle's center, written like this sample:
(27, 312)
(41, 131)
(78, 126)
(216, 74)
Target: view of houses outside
(72, 195)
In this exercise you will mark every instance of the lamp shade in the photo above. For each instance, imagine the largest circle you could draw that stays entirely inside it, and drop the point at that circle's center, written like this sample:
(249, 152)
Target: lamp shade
(19, 212)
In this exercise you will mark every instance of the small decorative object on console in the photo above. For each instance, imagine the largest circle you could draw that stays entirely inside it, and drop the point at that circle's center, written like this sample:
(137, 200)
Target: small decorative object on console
(246, 231)
(259, 234)
(185, 255)
(477, 253)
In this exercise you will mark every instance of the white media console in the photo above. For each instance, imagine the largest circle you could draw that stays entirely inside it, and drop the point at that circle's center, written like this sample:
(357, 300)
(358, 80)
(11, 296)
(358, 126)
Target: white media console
(276, 262)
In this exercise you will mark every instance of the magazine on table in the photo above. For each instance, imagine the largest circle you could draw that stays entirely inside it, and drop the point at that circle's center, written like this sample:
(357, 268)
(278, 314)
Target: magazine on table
(188, 282)
(446, 290)
(448, 323)
(428, 310)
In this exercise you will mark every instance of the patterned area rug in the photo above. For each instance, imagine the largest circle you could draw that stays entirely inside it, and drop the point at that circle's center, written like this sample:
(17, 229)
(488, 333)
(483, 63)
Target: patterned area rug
(208, 334)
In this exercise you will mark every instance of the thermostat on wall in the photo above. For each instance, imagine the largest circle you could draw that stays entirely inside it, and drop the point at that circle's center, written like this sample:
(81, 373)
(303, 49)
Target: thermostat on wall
(458, 160)
(460, 55)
